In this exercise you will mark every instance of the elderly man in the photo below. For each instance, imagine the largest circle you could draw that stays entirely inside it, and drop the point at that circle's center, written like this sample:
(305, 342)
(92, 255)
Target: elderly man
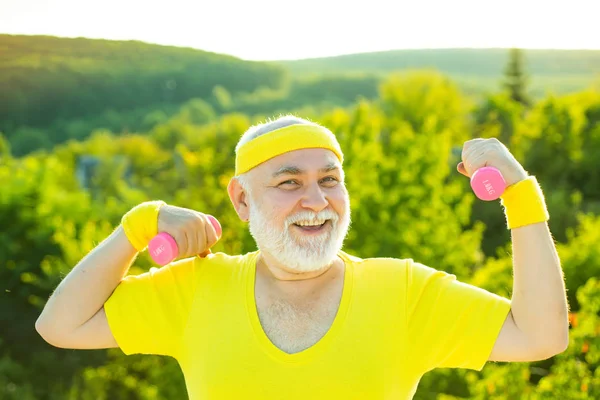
(299, 318)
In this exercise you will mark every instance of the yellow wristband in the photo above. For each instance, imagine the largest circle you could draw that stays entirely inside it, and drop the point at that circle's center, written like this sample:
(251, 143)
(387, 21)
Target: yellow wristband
(141, 223)
(524, 204)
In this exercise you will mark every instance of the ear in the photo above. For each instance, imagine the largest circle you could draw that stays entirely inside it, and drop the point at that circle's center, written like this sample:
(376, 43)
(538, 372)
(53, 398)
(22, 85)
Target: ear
(238, 197)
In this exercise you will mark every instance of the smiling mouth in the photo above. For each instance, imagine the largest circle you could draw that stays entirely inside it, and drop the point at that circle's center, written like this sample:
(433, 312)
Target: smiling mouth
(312, 228)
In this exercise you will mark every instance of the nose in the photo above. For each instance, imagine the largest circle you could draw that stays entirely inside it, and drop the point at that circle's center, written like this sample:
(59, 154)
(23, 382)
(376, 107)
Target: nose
(314, 198)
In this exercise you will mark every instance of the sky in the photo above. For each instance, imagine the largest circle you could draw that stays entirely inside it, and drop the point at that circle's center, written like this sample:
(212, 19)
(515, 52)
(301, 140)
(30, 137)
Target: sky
(270, 30)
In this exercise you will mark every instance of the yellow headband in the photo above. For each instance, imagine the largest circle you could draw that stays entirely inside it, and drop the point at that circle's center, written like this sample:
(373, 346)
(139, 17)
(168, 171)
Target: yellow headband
(283, 140)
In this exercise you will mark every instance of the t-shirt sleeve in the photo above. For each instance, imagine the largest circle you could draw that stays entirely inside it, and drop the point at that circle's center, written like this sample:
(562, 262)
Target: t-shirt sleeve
(148, 313)
(451, 324)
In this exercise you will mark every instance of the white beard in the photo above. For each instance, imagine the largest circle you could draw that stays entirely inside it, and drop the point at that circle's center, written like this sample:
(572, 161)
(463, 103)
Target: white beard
(301, 254)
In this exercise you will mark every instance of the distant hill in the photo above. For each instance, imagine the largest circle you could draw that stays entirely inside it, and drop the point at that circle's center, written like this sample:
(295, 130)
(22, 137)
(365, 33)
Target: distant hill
(481, 62)
(555, 70)
(55, 89)
(45, 78)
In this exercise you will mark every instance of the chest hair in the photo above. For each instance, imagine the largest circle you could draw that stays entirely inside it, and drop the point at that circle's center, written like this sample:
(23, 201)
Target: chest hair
(294, 327)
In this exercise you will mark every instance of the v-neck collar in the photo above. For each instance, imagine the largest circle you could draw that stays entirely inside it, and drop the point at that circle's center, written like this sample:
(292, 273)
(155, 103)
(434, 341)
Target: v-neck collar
(319, 347)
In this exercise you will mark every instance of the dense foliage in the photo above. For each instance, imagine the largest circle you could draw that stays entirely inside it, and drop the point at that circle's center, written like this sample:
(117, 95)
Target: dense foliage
(56, 89)
(401, 147)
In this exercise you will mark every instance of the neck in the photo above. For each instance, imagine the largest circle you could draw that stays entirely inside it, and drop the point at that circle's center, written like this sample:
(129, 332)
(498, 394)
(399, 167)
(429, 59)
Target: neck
(281, 273)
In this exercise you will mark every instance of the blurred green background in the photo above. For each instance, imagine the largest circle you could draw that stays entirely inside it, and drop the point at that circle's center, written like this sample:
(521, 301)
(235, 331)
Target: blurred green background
(90, 128)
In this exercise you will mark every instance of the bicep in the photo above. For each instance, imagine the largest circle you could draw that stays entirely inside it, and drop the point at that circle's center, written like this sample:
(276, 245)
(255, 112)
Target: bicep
(94, 334)
(512, 345)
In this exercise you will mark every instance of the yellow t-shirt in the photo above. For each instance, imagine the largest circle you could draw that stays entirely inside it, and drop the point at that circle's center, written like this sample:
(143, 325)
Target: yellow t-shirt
(397, 320)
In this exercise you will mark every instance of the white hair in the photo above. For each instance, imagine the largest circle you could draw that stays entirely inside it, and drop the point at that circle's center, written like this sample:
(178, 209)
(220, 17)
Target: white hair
(258, 130)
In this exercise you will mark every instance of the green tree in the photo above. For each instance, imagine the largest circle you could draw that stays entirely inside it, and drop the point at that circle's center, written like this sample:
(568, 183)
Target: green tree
(499, 116)
(5, 152)
(515, 77)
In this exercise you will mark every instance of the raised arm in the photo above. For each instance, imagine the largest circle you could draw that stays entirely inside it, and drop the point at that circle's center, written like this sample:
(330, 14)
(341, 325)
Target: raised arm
(74, 315)
(537, 326)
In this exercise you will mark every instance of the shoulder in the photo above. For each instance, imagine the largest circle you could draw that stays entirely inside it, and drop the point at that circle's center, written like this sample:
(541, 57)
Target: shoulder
(380, 268)
(411, 271)
(377, 262)
(222, 263)
(224, 259)
(190, 266)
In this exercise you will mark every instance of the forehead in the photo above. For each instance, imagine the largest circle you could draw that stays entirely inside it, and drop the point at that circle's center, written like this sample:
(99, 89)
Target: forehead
(309, 160)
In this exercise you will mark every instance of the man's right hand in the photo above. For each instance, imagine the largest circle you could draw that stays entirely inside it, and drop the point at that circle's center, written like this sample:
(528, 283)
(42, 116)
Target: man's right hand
(194, 232)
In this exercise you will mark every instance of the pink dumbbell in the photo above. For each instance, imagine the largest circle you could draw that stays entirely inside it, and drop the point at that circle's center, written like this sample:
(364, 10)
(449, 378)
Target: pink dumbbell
(163, 248)
(488, 183)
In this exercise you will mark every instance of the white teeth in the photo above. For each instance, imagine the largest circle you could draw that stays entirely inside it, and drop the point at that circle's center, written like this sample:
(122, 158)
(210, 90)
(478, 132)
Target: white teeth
(307, 223)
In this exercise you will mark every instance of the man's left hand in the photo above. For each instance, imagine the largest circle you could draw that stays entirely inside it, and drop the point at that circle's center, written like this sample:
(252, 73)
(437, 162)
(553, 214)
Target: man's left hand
(478, 153)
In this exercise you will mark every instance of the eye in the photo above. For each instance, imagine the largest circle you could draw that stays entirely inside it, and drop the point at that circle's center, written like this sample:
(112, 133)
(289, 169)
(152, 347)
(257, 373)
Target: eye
(330, 180)
(288, 182)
